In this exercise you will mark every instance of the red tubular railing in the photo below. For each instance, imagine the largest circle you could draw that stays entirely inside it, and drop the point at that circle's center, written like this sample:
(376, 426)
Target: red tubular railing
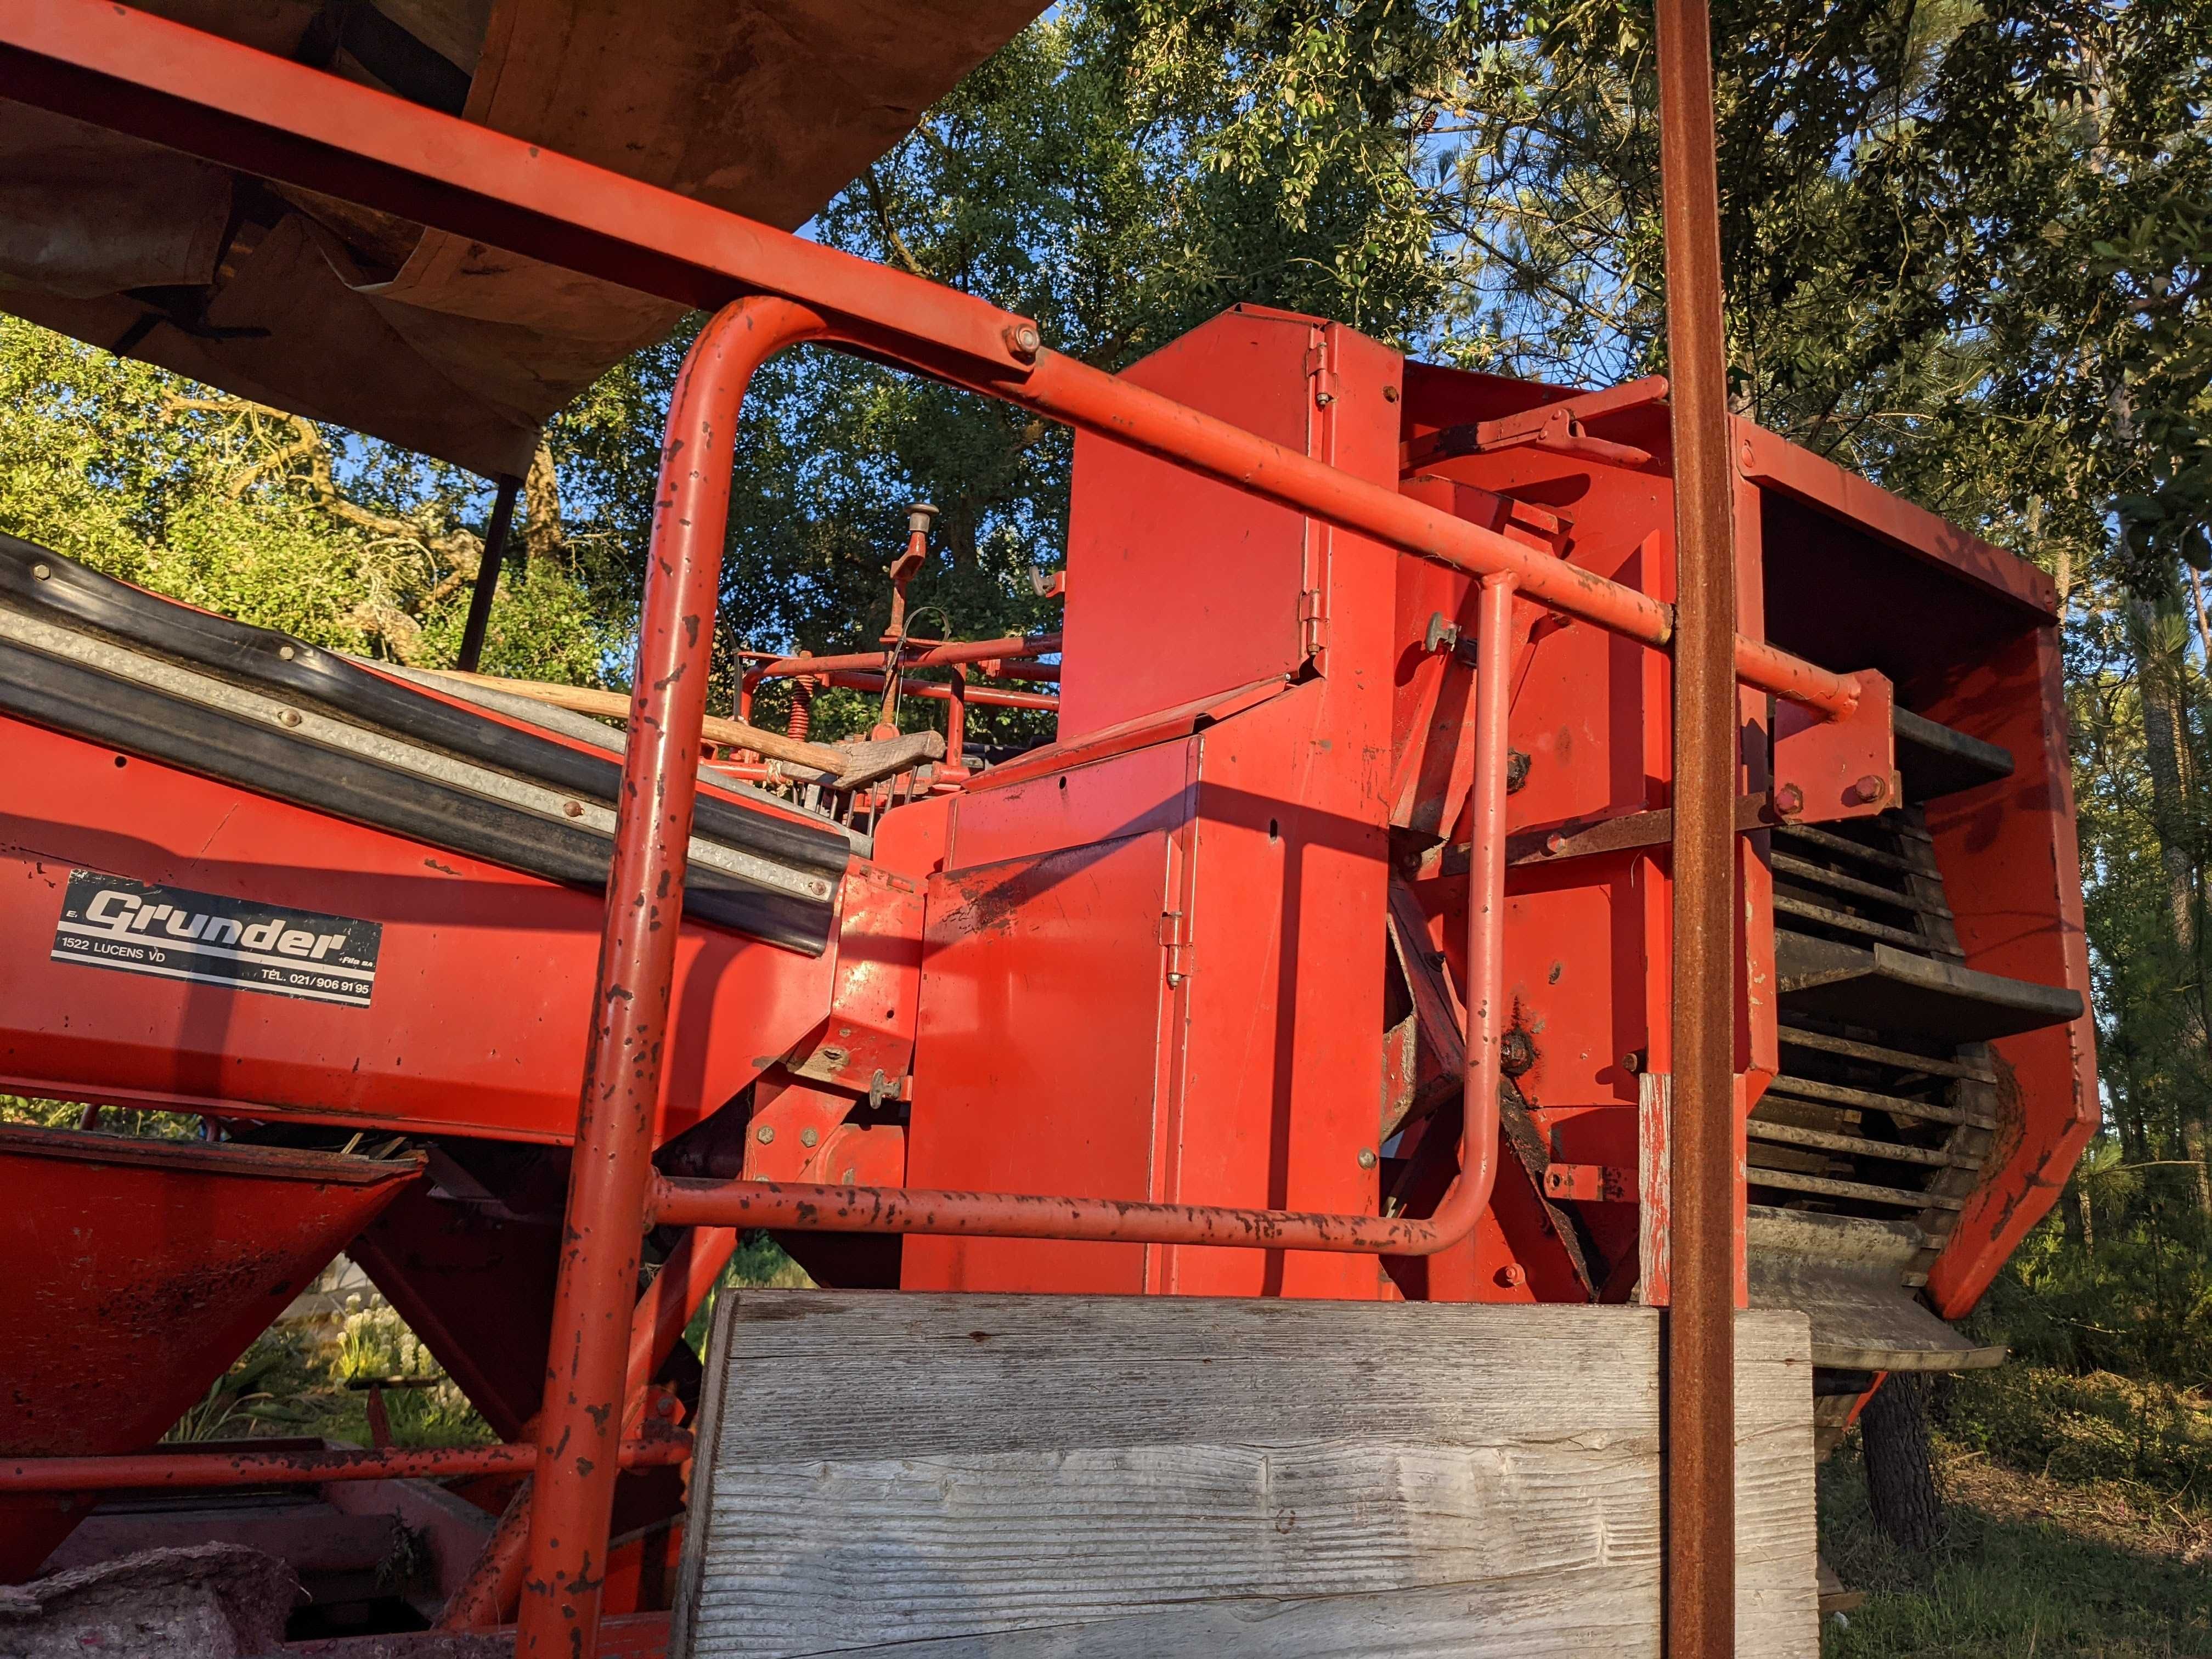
(198, 1471)
(1018, 1215)
(580, 1421)
(608, 1199)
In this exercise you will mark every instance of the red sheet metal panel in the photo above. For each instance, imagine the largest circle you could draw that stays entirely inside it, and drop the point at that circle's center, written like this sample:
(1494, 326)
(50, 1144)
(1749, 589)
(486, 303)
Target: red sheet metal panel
(136, 1272)
(1038, 1063)
(1248, 864)
(476, 1021)
(1229, 613)
(2012, 872)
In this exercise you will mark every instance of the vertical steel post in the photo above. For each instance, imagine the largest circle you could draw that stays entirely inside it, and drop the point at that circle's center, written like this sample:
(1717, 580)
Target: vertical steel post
(1489, 1010)
(580, 1425)
(1700, 1326)
(692, 1270)
(495, 555)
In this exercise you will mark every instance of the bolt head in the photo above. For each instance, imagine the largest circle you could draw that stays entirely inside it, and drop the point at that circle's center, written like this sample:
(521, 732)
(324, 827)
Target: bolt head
(41, 571)
(1872, 789)
(288, 717)
(1024, 340)
(1512, 1274)
(1367, 1159)
(765, 1134)
(575, 809)
(1789, 801)
(808, 1136)
(285, 652)
(1555, 843)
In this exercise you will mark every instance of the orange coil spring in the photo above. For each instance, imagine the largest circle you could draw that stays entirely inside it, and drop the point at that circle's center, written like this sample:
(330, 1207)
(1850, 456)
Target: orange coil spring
(802, 704)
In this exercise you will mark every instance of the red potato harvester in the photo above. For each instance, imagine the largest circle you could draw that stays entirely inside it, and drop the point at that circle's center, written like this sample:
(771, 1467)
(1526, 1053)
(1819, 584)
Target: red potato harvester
(1204, 949)
(1325, 951)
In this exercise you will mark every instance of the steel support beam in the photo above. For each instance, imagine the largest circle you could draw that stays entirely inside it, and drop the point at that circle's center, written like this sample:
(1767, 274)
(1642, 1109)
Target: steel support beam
(487, 582)
(1700, 1325)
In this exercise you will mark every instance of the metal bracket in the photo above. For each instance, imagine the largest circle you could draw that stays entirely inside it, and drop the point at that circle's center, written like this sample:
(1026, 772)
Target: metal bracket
(1590, 1183)
(1840, 769)
(1182, 949)
(1556, 427)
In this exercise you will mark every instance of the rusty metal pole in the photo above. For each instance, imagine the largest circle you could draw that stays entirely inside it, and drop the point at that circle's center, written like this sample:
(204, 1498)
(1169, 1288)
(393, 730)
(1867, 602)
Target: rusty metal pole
(494, 555)
(580, 1425)
(693, 1268)
(1700, 1325)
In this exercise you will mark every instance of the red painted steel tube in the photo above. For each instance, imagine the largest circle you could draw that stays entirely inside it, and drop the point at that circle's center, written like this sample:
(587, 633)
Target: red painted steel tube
(1700, 1322)
(198, 1471)
(581, 1420)
(995, 697)
(1086, 397)
(193, 91)
(1017, 1215)
(1015, 646)
(679, 1291)
(956, 719)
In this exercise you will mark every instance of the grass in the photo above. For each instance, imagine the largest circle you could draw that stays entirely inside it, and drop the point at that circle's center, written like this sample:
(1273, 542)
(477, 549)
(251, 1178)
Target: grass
(292, 1381)
(759, 1261)
(2077, 1525)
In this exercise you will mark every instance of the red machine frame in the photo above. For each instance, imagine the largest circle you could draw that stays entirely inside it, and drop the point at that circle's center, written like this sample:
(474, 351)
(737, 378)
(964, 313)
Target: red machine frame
(770, 291)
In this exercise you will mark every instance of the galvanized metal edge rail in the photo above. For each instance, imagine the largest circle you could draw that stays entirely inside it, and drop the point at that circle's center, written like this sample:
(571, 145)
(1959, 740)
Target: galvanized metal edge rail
(191, 91)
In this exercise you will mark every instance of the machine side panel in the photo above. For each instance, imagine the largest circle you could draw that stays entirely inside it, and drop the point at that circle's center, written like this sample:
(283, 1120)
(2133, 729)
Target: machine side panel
(476, 1021)
(1126, 795)
(2012, 874)
(1279, 1099)
(1585, 942)
(1176, 587)
(1037, 1060)
(1282, 1047)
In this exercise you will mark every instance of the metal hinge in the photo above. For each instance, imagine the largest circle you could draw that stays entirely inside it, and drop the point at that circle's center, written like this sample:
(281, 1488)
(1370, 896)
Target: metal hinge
(1313, 621)
(1322, 373)
(1183, 952)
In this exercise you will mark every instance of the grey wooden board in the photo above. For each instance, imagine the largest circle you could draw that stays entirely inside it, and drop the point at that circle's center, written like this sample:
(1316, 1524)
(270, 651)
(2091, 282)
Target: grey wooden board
(1065, 1477)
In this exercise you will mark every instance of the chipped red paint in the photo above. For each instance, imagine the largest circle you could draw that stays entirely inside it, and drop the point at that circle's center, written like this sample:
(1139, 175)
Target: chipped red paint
(584, 1393)
(170, 1471)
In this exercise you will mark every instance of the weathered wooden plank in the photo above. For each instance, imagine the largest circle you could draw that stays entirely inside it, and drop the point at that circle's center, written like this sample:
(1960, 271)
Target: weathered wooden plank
(1049, 1476)
(827, 1375)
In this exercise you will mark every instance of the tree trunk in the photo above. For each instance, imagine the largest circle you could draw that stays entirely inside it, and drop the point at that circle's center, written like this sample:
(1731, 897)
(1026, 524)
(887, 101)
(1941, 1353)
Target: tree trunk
(2073, 1216)
(2162, 692)
(541, 503)
(2163, 746)
(1900, 1481)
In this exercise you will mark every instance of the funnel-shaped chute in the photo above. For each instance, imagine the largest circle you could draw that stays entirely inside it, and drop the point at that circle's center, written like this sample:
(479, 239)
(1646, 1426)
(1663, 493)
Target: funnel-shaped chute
(136, 1272)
